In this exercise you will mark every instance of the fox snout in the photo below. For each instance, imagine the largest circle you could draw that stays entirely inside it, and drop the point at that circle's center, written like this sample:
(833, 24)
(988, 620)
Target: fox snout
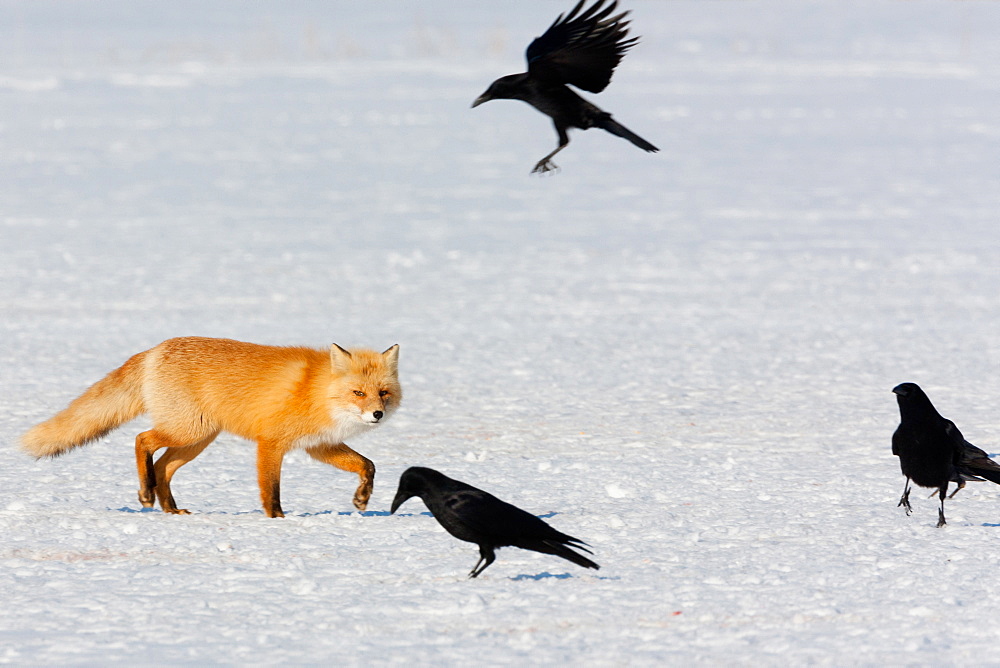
(372, 405)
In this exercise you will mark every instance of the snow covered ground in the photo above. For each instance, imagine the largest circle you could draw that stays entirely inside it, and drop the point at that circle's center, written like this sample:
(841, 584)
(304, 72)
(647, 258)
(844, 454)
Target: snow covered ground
(684, 358)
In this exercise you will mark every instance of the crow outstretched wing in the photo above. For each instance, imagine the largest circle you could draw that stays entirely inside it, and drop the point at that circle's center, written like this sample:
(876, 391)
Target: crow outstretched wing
(581, 48)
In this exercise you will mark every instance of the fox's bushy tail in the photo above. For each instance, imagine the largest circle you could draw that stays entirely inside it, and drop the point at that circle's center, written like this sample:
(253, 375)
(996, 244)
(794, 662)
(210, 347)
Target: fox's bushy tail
(616, 128)
(107, 404)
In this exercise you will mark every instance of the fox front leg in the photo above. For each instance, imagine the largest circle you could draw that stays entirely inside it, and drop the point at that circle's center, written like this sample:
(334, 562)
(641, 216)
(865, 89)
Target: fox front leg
(269, 460)
(346, 459)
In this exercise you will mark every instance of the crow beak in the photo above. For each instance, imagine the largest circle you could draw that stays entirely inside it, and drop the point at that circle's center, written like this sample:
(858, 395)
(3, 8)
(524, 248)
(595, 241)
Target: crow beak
(900, 390)
(401, 497)
(482, 98)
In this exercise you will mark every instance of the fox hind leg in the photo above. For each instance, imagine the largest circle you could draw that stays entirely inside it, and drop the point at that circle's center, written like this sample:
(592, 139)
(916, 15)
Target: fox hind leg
(146, 444)
(167, 465)
(144, 449)
(346, 459)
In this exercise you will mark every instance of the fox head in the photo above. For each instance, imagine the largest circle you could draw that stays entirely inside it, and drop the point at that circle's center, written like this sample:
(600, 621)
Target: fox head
(365, 388)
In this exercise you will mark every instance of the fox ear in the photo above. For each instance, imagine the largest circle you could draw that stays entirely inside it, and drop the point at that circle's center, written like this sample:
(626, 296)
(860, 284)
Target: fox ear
(340, 359)
(391, 356)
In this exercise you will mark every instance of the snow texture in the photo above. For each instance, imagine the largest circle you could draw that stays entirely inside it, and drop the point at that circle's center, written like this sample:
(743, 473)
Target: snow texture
(684, 359)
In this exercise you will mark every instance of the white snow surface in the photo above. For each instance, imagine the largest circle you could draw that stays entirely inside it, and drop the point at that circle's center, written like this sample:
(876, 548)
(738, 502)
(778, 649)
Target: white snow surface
(684, 358)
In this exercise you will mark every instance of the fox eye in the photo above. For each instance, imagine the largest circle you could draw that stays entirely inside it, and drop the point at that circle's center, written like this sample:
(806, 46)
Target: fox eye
(359, 393)
(383, 393)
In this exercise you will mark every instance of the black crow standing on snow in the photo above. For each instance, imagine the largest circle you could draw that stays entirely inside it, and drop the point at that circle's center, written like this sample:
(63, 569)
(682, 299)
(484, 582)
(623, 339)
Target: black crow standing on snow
(581, 49)
(932, 451)
(476, 516)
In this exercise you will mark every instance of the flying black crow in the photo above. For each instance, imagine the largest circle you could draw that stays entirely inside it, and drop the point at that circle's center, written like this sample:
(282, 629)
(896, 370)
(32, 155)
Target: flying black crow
(582, 49)
(932, 451)
(476, 516)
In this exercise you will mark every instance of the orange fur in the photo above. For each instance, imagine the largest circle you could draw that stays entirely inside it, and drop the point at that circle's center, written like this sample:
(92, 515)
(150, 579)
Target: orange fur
(193, 388)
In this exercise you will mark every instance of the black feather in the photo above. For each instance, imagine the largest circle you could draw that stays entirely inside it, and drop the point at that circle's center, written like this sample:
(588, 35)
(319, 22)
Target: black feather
(932, 451)
(475, 516)
(581, 49)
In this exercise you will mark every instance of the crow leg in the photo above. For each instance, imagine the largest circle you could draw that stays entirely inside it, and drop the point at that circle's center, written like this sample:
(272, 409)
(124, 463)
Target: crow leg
(545, 164)
(904, 500)
(961, 484)
(941, 495)
(486, 554)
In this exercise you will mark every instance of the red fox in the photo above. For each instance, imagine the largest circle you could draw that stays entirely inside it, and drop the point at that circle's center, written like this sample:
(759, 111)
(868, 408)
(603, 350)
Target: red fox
(194, 387)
